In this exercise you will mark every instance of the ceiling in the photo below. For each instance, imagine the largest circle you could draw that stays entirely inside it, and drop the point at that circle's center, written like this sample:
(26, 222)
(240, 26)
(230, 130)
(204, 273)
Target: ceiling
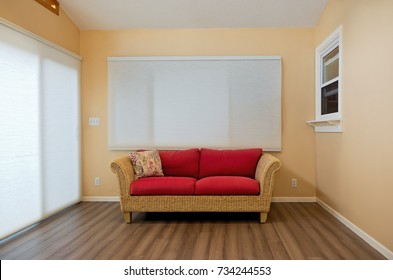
(126, 14)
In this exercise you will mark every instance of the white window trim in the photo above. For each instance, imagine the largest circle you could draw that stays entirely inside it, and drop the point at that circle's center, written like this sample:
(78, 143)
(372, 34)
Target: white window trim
(328, 122)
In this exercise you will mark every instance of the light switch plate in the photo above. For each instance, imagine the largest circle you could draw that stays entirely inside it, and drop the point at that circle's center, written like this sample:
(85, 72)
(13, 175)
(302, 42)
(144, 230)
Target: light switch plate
(94, 121)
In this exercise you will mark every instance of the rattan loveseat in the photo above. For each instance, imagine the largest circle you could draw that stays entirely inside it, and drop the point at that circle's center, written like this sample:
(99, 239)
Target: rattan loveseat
(265, 169)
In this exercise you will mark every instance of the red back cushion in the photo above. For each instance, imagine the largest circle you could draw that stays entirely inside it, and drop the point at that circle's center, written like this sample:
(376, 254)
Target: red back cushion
(182, 163)
(229, 162)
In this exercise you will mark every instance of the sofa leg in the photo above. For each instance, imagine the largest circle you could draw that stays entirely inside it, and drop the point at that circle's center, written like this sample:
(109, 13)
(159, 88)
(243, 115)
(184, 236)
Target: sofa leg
(262, 217)
(127, 217)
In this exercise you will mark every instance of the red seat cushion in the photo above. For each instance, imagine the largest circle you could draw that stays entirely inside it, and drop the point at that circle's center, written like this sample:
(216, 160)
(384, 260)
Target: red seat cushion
(183, 163)
(229, 162)
(163, 186)
(227, 185)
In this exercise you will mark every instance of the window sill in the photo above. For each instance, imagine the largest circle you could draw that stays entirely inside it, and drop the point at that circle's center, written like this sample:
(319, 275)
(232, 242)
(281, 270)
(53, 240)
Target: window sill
(333, 125)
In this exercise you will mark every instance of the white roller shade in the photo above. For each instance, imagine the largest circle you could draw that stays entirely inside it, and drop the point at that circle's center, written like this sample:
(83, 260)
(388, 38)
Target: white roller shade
(39, 129)
(184, 102)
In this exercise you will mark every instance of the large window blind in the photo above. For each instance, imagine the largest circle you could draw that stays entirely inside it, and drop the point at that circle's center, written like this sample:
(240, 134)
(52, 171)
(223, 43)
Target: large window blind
(39, 129)
(182, 102)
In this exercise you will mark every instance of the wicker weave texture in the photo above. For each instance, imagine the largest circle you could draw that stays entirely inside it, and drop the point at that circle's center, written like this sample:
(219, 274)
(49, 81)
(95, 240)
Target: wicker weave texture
(265, 173)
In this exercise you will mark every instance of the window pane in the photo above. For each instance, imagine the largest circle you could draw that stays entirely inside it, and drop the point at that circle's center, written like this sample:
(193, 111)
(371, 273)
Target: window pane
(329, 97)
(330, 66)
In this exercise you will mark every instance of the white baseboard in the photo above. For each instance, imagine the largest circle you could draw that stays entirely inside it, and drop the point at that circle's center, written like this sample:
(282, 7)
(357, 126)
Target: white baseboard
(101, 198)
(363, 235)
(294, 199)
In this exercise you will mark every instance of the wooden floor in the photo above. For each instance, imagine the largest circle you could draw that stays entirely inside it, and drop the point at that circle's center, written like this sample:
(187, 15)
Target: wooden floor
(95, 230)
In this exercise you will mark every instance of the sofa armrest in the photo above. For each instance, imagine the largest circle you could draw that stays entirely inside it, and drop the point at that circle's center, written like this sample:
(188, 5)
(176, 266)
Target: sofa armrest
(122, 167)
(265, 173)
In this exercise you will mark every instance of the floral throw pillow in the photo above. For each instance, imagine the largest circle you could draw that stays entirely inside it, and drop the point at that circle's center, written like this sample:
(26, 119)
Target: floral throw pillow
(146, 164)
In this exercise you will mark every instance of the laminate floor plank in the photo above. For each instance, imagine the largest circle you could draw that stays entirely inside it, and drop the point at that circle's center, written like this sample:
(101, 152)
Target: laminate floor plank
(332, 232)
(231, 244)
(46, 233)
(284, 227)
(338, 236)
(174, 242)
(45, 226)
(316, 232)
(189, 241)
(304, 233)
(268, 244)
(160, 243)
(91, 244)
(75, 240)
(96, 231)
(216, 247)
(126, 243)
(145, 241)
(202, 243)
(246, 249)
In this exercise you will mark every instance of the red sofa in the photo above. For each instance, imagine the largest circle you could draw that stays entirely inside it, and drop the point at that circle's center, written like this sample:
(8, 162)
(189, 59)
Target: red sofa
(200, 180)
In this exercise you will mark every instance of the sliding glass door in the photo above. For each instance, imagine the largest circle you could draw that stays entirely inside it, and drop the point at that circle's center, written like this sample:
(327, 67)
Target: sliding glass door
(39, 129)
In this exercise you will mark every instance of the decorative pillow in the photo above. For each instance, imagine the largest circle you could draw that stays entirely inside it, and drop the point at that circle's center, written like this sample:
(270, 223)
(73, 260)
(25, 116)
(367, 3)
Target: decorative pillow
(146, 164)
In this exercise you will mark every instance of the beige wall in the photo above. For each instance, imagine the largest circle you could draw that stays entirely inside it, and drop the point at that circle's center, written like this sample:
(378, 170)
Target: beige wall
(354, 168)
(295, 46)
(37, 19)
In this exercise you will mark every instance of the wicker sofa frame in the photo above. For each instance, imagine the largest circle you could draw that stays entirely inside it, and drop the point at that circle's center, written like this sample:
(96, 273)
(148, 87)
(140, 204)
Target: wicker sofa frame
(265, 174)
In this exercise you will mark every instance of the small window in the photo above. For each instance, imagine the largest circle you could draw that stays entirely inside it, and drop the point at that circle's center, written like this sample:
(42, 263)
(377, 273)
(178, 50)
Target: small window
(328, 85)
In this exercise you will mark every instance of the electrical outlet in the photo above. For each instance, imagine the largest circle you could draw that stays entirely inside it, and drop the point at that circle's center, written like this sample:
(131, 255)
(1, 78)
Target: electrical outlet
(294, 183)
(97, 181)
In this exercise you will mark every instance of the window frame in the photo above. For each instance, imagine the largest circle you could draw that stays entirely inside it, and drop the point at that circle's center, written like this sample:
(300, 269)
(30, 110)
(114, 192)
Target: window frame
(331, 122)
